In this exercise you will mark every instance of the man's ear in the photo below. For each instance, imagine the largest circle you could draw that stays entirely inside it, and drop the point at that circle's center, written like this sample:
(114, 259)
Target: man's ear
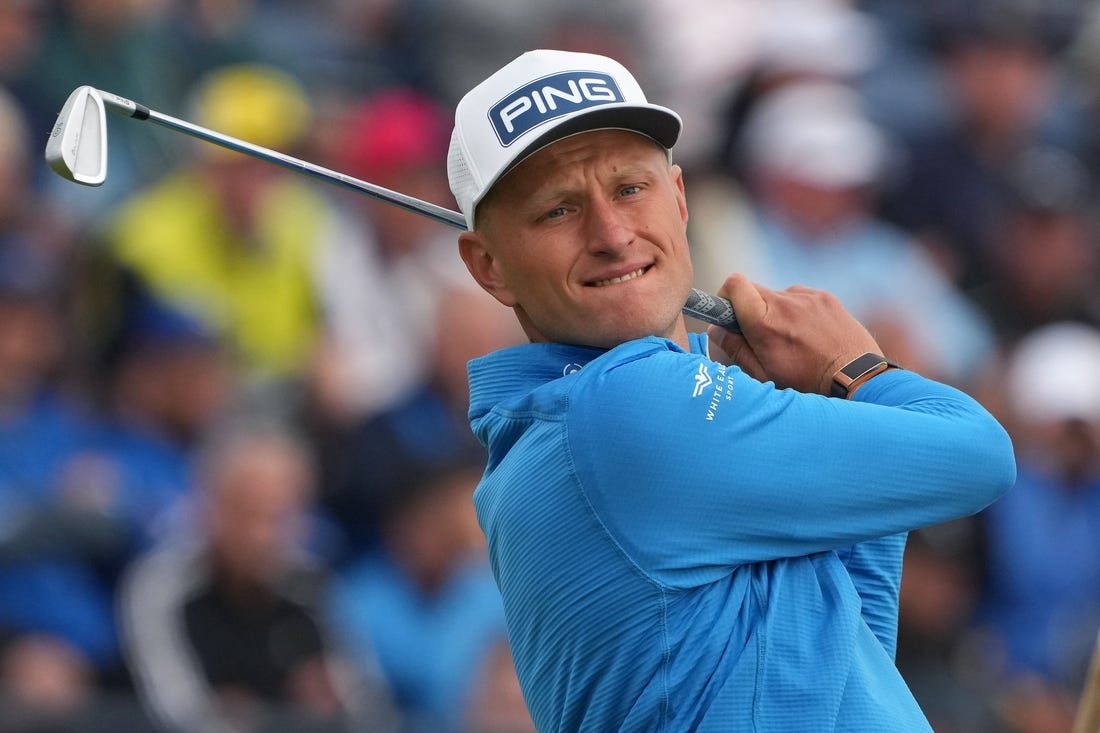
(681, 196)
(484, 266)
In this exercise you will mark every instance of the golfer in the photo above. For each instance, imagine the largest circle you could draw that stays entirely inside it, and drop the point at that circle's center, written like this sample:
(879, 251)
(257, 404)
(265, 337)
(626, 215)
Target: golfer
(684, 540)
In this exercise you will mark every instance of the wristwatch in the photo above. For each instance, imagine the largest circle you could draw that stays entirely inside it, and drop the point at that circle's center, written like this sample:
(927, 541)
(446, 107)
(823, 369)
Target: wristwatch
(858, 371)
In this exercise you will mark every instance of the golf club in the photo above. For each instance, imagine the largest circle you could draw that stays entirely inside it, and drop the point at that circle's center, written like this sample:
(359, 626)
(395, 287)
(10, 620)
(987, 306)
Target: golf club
(77, 151)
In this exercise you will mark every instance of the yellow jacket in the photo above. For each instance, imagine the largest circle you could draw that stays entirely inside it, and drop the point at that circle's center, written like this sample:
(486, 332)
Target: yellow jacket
(258, 295)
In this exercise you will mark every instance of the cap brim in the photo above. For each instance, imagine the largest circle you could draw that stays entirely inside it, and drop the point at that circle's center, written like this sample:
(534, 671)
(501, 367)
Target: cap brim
(660, 124)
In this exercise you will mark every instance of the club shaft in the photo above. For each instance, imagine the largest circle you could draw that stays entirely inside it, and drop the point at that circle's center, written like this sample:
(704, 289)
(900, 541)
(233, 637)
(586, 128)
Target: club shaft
(129, 108)
(703, 306)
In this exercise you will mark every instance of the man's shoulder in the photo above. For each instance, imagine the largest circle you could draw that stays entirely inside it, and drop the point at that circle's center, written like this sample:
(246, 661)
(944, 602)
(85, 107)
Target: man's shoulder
(531, 366)
(653, 346)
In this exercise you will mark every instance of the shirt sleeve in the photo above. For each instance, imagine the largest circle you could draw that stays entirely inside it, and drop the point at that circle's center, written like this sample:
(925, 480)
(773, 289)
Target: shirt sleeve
(695, 468)
(155, 641)
(875, 569)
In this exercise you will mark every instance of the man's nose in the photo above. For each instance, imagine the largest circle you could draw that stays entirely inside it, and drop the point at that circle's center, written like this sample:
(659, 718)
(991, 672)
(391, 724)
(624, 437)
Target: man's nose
(609, 227)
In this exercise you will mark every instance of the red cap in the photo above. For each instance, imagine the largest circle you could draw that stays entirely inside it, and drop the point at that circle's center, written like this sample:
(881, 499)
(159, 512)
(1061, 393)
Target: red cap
(394, 130)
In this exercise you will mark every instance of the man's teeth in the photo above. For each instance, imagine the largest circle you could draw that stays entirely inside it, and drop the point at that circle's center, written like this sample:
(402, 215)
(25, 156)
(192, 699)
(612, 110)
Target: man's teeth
(622, 279)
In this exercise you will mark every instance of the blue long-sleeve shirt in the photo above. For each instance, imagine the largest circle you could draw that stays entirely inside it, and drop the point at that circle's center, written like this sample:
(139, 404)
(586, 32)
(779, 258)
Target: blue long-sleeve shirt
(680, 547)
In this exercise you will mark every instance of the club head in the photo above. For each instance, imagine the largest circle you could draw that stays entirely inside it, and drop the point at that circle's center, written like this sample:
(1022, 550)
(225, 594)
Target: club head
(77, 148)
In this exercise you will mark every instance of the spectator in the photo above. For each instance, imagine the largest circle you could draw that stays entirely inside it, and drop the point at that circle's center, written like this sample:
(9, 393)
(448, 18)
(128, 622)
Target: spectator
(108, 484)
(401, 318)
(424, 600)
(357, 48)
(1045, 266)
(224, 633)
(1042, 599)
(939, 650)
(50, 529)
(427, 428)
(795, 41)
(1000, 72)
(161, 381)
(381, 284)
(85, 490)
(814, 161)
(231, 241)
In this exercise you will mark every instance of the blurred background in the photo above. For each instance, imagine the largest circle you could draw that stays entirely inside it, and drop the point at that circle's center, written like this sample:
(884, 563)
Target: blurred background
(235, 471)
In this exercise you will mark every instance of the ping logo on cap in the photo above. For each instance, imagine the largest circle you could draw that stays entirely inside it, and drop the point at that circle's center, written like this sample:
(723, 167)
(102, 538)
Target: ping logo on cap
(548, 98)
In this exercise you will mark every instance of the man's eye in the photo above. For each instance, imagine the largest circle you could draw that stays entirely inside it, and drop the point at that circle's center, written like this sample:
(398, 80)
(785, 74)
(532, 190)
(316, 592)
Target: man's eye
(555, 213)
(629, 190)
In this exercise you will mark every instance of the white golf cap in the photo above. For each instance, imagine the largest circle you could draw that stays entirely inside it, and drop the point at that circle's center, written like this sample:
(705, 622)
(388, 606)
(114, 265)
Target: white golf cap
(815, 132)
(537, 99)
(1054, 373)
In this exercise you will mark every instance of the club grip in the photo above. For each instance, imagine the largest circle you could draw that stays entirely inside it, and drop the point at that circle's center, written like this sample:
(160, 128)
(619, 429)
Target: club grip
(711, 309)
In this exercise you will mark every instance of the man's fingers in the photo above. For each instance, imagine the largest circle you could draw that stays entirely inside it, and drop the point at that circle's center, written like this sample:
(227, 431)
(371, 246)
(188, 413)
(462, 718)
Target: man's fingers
(796, 337)
(746, 298)
(722, 339)
(735, 350)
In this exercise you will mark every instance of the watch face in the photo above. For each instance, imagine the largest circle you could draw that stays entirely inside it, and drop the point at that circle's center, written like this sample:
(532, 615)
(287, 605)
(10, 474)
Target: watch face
(862, 365)
(853, 371)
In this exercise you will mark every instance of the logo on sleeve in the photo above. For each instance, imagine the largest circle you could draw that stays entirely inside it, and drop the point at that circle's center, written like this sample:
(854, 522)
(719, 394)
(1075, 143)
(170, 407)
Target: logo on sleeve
(717, 388)
(702, 381)
(547, 99)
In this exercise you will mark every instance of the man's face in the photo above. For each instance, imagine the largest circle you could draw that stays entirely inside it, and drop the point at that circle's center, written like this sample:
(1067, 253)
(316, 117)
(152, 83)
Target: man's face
(586, 240)
(258, 500)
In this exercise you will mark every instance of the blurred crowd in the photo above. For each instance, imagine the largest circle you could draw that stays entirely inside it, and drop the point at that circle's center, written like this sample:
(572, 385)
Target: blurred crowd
(235, 468)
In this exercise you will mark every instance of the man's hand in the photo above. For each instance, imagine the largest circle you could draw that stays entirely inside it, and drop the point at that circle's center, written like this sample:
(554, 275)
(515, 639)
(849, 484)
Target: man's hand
(798, 337)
